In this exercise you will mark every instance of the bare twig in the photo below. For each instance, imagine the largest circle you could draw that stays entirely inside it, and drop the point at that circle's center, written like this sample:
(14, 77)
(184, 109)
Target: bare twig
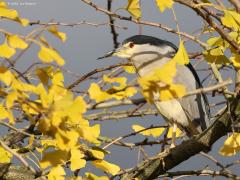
(132, 134)
(168, 29)
(76, 24)
(142, 100)
(112, 21)
(86, 76)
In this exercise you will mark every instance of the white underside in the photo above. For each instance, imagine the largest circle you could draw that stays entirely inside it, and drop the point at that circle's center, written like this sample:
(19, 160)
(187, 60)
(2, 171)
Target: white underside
(183, 110)
(173, 111)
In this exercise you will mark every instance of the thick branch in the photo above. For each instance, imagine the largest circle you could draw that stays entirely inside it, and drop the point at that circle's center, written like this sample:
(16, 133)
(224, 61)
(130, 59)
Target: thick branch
(204, 172)
(8, 171)
(160, 164)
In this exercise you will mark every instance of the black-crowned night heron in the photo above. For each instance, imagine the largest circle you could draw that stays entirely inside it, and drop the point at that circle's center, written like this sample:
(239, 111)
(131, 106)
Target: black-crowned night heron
(147, 53)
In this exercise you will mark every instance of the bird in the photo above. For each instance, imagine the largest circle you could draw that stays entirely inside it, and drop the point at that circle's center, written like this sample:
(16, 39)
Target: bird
(191, 113)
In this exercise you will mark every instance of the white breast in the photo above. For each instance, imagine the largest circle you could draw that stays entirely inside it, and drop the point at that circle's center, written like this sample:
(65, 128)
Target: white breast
(172, 110)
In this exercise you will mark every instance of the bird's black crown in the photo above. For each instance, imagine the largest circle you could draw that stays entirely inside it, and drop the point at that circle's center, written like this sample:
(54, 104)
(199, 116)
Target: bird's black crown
(143, 39)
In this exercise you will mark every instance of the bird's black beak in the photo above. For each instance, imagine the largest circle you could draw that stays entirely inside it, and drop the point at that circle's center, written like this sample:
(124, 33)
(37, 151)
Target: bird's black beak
(109, 54)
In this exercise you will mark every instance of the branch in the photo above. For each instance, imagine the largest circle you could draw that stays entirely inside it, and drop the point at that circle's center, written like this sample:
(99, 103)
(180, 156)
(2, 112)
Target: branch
(204, 172)
(132, 134)
(208, 19)
(236, 4)
(88, 75)
(142, 100)
(75, 24)
(168, 29)
(113, 30)
(160, 164)
(103, 116)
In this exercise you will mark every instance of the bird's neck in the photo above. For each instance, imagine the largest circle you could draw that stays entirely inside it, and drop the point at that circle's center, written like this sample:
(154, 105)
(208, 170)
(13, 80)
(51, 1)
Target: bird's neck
(145, 64)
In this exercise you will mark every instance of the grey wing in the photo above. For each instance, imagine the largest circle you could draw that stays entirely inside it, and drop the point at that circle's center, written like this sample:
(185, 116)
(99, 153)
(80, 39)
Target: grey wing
(195, 106)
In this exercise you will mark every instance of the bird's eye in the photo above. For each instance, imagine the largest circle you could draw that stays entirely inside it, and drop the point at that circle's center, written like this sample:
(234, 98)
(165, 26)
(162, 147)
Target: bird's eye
(131, 45)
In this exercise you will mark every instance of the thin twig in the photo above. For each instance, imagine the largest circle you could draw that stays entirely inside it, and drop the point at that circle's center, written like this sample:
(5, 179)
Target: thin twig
(168, 29)
(18, 156)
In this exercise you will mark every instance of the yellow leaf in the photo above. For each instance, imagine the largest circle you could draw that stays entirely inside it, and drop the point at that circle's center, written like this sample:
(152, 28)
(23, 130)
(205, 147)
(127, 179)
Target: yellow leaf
(120, 80)
(79, 102)
(133, 8)
(66, 139)
(129, 69)
(21, 86)
(3, 4)
(236, 60)
(163, 4)
(48, 55)
(97, 154)
(48, 143)
(53, 29)
(174, 90)
(56, 173)
(11, 118)
(155, 132)
(42, 75)
(231, 146)
(23, 21)
(231, 19)
(166, 73)
(75, 110)
(57, 92)
(215, 41)
(31, 108)
(45, 99)
(76, 159)
(97, 94)
(53, 158)
(30, 141)
(170, 131)
(5, 75)
(161, 80)
(181, 56)
(216, 56)
(5, 156)
(6, 51)
(8, 13)
(58, 78)
(106, 166)
(11, 98)
(128, 92)
(16, 42)
(3, 112)
(63, 102)
(90, 133)
(91, 176)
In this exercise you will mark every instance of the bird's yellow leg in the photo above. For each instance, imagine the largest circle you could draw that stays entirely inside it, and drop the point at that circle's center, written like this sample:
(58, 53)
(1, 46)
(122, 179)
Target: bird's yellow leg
(174, 130)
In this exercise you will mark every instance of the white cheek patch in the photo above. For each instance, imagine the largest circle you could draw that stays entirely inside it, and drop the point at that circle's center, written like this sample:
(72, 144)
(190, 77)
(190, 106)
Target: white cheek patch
(167, 50)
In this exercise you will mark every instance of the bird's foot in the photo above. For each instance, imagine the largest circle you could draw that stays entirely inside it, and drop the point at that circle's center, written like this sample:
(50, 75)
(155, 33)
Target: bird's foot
(173, 145)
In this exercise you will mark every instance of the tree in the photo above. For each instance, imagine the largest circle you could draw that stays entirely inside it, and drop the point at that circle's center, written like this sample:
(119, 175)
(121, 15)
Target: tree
(54, 128)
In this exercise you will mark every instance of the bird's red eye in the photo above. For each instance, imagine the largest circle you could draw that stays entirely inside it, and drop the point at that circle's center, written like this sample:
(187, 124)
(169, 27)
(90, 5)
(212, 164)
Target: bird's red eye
(131, 45)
